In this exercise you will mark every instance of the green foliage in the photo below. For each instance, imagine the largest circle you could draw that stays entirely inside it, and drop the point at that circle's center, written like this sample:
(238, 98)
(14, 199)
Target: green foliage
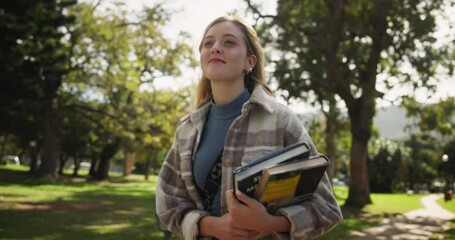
(326, 50)
(437, 118)
(33, 58)
(114, 60)
(422, 166)
(435, 138)
(318, 129)
(383, 167)
(313, 38)
(448, 168)
(90, 75)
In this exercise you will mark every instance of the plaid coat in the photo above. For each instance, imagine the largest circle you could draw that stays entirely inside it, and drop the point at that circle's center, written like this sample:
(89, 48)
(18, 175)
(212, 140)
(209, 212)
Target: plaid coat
(263, 126)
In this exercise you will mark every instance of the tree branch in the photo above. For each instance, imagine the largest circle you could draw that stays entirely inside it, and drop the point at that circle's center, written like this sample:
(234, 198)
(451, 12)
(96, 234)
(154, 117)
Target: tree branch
(255, 10)
(97, 4)
(89, 109)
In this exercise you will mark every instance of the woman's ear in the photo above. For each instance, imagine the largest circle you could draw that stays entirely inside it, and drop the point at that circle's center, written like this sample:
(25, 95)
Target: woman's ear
(252, 60)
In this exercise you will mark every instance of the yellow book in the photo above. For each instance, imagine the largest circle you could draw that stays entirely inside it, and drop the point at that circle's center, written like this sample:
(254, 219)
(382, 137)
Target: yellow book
(247, 177)
(279, 188)
(291, 182)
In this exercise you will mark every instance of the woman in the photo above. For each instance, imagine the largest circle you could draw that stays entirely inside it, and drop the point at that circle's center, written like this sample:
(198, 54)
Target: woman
(237, 120)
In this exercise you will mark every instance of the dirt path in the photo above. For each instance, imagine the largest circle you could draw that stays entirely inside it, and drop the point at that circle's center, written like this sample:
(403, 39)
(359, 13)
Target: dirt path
(417, 224)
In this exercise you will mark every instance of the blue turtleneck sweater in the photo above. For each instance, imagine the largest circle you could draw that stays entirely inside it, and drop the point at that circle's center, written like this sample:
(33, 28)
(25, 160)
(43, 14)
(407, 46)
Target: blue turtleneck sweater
(219, 119)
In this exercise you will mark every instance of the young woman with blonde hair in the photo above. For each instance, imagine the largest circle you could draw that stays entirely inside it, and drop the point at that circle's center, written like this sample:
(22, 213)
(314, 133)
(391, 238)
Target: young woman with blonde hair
(237, 120)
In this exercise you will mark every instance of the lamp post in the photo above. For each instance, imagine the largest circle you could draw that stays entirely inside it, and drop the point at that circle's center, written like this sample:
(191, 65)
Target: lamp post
(447, 190)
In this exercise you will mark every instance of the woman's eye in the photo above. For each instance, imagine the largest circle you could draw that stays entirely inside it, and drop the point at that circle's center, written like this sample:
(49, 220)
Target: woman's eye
(229, 43)
(208, 44)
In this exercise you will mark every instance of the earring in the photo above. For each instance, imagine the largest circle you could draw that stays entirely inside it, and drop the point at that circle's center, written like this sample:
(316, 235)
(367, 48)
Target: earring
(248, 71)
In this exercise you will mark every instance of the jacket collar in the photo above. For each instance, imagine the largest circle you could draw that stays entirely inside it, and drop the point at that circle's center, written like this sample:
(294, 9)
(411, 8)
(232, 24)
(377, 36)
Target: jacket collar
(258, 97)
(262, 99)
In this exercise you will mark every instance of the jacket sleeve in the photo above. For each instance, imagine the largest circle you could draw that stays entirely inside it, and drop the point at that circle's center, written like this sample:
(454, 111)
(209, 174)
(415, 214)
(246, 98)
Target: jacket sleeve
(175, 209)
(318, 215)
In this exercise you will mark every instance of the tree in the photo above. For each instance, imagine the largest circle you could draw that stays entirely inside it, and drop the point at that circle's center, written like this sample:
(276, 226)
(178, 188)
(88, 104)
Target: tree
(436, 124)
(337, 49)
(384, 164)
(448, 164)
(115, 60)
(436, 120)
(331, 140)
(35, 58)
(79, 135)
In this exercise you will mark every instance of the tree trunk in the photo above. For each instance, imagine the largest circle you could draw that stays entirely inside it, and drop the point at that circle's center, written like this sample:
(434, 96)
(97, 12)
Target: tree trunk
(77, 166)
(361, 123)
(33, 160)
(4, 141)
(109, 150)
(331, 136)
(93, 164)
(147, 168)
(51, 145)
(359, 184)
(62, 160)
(128, 163)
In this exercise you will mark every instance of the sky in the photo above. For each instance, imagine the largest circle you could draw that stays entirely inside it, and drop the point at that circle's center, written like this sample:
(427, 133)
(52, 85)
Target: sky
(192, 16)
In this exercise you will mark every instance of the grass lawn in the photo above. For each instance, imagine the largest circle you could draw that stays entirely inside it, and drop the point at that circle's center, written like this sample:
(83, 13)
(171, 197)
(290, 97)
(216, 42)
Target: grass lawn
(450, 234)
(72, 208)
(124, 208)
(450, 206)
(384, 205)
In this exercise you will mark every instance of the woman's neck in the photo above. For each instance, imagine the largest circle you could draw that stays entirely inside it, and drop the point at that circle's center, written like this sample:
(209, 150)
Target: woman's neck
(226, 92)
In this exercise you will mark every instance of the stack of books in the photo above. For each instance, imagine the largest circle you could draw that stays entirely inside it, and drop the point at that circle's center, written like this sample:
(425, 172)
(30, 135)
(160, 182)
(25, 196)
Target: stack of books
(284, 177)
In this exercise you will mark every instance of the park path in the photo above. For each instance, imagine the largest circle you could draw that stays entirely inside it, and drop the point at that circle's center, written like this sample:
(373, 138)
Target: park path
(417, 224)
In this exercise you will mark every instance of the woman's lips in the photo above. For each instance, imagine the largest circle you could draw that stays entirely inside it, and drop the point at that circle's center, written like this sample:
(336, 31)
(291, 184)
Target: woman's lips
(216, 60)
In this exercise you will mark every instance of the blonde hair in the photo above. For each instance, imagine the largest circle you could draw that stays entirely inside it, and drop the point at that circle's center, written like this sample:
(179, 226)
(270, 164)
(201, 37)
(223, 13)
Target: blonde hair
(255, 77)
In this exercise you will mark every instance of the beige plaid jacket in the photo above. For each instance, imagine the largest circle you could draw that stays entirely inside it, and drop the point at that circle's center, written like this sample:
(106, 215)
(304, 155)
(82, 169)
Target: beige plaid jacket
(263, 127)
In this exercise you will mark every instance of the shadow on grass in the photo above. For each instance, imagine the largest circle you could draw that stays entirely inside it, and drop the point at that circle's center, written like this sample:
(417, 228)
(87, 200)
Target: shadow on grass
(354, 220)
(450, 233)
(10, 176)
(117, 210)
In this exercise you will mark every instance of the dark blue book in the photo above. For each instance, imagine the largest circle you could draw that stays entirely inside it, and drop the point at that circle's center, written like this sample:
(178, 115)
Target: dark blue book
(291, 182)
(247, 177)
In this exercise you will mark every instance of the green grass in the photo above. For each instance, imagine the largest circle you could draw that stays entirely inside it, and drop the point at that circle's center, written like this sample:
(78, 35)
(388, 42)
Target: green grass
(71, 208)
(396, 203)
(450, 234)
(449, 205)
(384, 205)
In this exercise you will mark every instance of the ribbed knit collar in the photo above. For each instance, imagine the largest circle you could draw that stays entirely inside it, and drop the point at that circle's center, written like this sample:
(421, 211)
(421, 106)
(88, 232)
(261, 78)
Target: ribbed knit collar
(258, 97)
(229, 110)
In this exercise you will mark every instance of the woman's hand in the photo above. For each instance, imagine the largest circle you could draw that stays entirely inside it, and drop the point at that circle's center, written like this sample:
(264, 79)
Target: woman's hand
(248, 213)
(223, 228)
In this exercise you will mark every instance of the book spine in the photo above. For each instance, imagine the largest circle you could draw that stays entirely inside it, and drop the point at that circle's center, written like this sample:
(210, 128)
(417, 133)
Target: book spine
(248, 185)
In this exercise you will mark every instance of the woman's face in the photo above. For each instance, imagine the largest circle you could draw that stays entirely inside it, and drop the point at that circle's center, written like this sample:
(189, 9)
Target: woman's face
(224, 54)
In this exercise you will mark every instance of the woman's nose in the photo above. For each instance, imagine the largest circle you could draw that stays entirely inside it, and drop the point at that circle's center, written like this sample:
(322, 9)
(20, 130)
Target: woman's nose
(216, 48)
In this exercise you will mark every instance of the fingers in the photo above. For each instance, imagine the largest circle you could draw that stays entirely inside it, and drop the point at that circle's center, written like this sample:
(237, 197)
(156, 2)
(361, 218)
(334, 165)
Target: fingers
(246, 235)
(231, 201)
(243, 198)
